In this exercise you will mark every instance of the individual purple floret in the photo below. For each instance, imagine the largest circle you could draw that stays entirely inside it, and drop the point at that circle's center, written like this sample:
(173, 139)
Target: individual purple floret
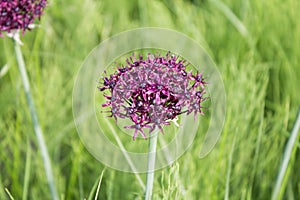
(153, 91)
(19, 14)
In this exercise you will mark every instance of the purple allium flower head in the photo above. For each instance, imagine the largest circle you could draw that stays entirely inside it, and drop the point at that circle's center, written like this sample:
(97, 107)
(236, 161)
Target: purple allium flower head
(153, 91)
(19, 14)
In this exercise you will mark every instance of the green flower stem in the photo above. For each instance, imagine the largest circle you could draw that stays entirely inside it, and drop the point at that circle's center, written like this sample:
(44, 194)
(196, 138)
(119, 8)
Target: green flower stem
(36, 126)
(151, 166)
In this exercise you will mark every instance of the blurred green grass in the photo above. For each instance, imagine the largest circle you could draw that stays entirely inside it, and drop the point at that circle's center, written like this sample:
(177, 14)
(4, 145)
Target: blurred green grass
(255, 45)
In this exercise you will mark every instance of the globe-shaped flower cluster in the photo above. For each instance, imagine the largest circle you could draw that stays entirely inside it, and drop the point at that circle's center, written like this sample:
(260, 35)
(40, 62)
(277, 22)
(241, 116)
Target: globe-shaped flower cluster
(19, 14)
(153, 91)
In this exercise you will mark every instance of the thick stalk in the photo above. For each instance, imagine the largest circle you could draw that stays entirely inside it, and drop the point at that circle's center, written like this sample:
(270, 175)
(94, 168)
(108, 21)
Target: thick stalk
(36, 125)
(151, 165)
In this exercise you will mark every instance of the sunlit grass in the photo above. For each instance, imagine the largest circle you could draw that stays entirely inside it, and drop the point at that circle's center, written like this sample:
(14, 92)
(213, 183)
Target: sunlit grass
(260, 70)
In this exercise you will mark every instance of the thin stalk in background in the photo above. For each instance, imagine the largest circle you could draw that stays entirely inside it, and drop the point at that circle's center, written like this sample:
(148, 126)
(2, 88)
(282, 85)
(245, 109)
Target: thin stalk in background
(35, 122)
(286, 157)
(151, 166)
(127, 157)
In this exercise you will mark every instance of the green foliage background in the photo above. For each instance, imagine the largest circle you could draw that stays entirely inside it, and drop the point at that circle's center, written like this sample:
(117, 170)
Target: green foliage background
(255, 45)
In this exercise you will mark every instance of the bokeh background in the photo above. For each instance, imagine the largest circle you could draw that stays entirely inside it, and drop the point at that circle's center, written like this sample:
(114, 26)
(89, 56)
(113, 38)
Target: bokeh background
(255, 45)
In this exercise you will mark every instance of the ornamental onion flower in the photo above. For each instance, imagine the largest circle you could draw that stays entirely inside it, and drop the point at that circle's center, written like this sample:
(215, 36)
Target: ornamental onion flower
(152, 92)
(19, 14)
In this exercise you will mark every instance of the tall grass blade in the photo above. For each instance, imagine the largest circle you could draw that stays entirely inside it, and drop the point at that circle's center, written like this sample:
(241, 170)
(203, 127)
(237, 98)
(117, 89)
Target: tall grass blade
(231, 17)
(27, 172)
(4, 70)
(278, 189)
(127, 157)
(9, 194)
(96, 187)
(226, 197)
